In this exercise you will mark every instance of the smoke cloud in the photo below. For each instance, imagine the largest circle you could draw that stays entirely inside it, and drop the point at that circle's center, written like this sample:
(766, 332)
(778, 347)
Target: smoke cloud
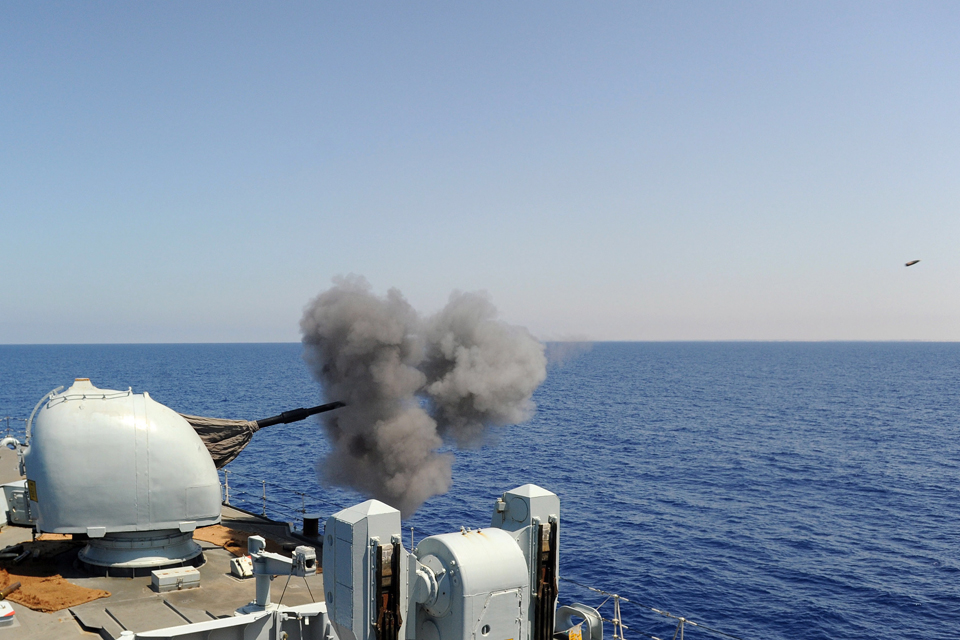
(411, 382)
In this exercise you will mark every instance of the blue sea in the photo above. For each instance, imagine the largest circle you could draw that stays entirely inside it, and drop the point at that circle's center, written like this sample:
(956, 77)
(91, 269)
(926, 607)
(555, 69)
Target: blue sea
(765, 490)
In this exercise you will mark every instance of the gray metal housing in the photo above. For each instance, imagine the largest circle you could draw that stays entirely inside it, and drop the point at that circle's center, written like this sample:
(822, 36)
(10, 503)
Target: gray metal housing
(532, 516)
(497, 583)
(352, 541)
(102, 461)
(482, 584)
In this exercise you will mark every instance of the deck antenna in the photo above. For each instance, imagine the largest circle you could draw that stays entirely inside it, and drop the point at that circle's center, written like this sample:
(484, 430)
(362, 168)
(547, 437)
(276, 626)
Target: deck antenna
(411, 538)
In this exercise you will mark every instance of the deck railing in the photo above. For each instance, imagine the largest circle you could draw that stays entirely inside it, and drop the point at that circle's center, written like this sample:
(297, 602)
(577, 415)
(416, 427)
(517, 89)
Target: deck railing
(614, 600)
(14, 427)
(270, 499)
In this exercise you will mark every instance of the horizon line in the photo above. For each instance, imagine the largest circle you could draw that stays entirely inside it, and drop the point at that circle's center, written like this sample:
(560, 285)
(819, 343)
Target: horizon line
(673, 341)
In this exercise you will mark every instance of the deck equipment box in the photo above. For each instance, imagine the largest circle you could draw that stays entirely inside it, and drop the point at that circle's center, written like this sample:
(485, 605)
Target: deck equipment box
(175, 579)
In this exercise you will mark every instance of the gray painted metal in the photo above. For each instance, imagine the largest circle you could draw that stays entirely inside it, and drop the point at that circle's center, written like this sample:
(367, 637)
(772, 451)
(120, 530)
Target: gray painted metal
(174, 579)
(482, 586)
(17, 504)
(123, 469)
(472, 584)
(590, 617)
(305, 622)
(105, 461)
(140, 550)
(266, 566)
(352, 538)
(521, 511)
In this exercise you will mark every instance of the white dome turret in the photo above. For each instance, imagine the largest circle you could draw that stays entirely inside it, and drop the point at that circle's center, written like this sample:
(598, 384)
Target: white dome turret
(122, 469)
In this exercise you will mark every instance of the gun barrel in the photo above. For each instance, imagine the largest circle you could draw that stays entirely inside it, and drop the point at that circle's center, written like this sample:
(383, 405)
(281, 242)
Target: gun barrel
(296, 415)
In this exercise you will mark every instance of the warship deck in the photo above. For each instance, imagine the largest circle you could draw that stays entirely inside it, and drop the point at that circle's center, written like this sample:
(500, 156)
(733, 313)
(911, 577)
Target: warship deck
(133, 604)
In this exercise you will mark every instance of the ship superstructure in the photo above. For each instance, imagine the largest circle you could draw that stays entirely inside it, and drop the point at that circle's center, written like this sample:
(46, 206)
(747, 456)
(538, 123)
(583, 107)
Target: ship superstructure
(129, 480)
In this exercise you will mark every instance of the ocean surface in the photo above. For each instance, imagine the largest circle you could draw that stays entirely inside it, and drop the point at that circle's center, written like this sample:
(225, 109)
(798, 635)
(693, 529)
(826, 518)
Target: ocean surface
(765, 490)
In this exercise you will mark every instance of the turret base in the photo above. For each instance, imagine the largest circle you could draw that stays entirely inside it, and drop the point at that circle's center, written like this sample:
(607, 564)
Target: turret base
(135, 554)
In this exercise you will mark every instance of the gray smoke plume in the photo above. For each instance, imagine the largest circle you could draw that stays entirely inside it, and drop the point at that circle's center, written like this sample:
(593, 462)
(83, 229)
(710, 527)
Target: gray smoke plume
(480, 372)
(410, 382)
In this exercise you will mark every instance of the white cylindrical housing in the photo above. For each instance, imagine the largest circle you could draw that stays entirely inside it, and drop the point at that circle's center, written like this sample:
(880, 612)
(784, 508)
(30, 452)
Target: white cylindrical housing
(103, 461)
(482, 586)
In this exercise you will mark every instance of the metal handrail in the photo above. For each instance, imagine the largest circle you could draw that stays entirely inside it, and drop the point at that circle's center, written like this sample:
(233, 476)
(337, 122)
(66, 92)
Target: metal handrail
(262, 500)
(49, 395)
(8, 419)
(618, 625)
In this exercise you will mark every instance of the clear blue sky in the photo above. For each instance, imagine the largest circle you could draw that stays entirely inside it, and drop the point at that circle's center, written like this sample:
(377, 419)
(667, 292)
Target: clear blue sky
(197, 172)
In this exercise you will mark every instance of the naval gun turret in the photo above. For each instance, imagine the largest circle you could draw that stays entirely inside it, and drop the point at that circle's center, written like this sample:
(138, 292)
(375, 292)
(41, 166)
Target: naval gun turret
(128, 473)
(123, 470)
